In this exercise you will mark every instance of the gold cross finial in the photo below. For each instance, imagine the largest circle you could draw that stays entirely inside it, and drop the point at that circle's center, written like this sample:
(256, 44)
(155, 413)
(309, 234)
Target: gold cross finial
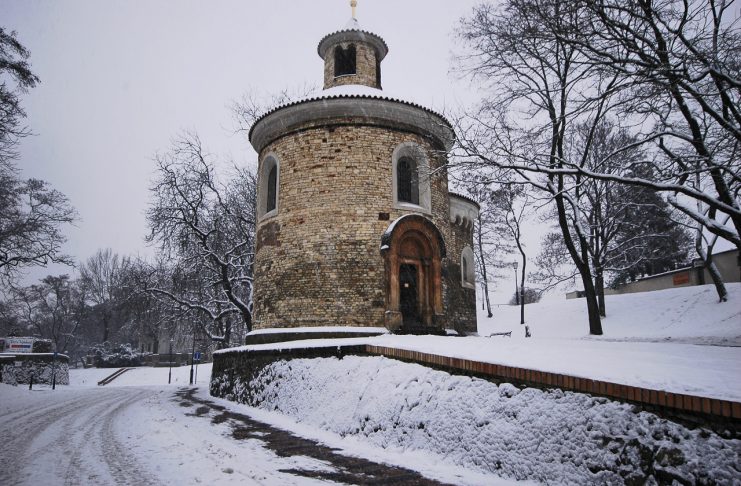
(353, 4)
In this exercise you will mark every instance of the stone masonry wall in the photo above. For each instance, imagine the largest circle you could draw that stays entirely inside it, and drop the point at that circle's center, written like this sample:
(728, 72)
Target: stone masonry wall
(365, 67)
(461, 301)
(41, 368)
(318, 260)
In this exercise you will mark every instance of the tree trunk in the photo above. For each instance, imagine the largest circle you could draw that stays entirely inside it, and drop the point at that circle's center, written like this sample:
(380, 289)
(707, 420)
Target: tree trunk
(582, 265)
(105, 326)
(483, 270)
(707, 259)
(599, 277)
(522, 286)
(599, 282)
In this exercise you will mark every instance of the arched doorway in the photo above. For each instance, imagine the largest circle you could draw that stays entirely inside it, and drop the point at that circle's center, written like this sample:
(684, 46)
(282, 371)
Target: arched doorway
(413, 249)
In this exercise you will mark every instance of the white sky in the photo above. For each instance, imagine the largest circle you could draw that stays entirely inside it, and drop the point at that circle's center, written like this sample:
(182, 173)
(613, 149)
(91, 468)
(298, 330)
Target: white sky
(120, 78)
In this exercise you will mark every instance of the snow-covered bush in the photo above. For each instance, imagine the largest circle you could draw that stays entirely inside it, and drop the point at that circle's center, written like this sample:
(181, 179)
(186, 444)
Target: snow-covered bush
(109, 355)
(42, 346)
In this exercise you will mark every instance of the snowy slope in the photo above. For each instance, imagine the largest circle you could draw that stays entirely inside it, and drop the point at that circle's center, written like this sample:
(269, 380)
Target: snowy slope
(688, 315)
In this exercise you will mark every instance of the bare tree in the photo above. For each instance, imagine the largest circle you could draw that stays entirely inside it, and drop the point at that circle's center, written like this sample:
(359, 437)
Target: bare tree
(31, 217)
(513, 206)
(14, 67)
(53, 309)
(530, 70)
(489, 246)
(101, 276)
(207, 229)
(252, 105)
(31, 212)
(680, 79)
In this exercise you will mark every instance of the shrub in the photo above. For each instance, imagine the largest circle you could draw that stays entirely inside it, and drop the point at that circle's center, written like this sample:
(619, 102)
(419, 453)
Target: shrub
(115, 356)
(531, 296)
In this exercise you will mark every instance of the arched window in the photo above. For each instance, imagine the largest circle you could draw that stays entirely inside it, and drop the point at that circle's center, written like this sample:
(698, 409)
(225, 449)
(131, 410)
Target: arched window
(269, 188)
(411, 178)
(345, 60)
(272, 201)
(468, 275)
(407, 181)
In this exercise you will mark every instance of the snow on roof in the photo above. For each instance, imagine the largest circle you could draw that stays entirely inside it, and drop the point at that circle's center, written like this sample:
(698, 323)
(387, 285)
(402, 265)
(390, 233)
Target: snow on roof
(466, 198)
(353, 30)
(351, 91)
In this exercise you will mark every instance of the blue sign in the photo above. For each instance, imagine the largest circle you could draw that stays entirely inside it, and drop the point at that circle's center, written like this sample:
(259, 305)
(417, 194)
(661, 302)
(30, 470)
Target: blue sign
(197, 356)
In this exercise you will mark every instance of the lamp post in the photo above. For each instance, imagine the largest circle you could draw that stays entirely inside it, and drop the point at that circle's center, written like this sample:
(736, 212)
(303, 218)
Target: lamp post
(192, 353)
(169, 376)
(54, 372)
(517, 293)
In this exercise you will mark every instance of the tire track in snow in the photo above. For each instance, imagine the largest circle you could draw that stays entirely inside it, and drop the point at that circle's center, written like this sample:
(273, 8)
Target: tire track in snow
(21, 431)
(81, 424)
(118, 458)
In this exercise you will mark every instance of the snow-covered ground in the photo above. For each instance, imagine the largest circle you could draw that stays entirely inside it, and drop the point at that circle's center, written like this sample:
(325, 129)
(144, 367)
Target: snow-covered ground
(679, 340)
(136, 431)
(547, 436)
(453, 429)
(682, 315)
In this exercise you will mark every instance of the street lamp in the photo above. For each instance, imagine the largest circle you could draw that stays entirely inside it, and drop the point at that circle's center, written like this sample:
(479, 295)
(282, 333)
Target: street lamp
(169, 376)
(517, 293)
(192, 353)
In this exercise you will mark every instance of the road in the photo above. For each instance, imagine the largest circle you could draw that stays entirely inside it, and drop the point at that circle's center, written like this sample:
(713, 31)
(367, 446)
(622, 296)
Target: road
(156, 435)
(69, 440)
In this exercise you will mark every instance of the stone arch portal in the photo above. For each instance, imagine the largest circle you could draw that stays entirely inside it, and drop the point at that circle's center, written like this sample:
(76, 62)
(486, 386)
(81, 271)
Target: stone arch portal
(413, 249)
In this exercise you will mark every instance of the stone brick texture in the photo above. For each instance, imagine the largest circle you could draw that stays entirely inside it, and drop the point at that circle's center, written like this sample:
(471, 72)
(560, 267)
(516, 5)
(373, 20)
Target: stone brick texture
(318, 260)
(460, 301)
(365, 73)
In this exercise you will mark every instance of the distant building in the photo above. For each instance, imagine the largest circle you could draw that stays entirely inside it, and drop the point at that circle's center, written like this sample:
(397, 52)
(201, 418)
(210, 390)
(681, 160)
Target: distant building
(356, 226)
(696, 274)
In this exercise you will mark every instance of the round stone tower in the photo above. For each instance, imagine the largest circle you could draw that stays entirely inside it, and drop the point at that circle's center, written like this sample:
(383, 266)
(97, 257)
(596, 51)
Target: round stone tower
(355, 223)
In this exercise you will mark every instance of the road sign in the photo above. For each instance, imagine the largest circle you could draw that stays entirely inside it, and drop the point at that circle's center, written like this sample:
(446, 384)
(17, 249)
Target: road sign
(197, 356)
(19, 344)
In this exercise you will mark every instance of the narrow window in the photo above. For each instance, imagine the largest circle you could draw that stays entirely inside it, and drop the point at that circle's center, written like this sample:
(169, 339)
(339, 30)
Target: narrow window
(468, 277)
(378, 72)
(272, 189)
(407, 181)
(344, 60)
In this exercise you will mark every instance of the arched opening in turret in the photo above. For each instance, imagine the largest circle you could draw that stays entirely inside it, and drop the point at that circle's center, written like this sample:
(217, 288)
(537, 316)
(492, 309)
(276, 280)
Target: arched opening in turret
(345, 60)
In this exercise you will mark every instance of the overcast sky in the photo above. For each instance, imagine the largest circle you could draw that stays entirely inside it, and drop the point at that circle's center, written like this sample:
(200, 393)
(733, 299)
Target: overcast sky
(120, 78)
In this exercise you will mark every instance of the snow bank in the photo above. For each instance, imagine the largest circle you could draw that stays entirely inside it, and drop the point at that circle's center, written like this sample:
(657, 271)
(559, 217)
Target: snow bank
(520, 434)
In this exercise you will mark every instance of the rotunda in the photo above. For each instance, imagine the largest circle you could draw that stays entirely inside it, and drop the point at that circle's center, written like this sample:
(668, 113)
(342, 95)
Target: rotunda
(356, 227)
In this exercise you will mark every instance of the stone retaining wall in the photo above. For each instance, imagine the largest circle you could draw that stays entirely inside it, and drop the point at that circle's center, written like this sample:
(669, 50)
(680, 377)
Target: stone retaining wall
(18, 369)
(688, 408)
